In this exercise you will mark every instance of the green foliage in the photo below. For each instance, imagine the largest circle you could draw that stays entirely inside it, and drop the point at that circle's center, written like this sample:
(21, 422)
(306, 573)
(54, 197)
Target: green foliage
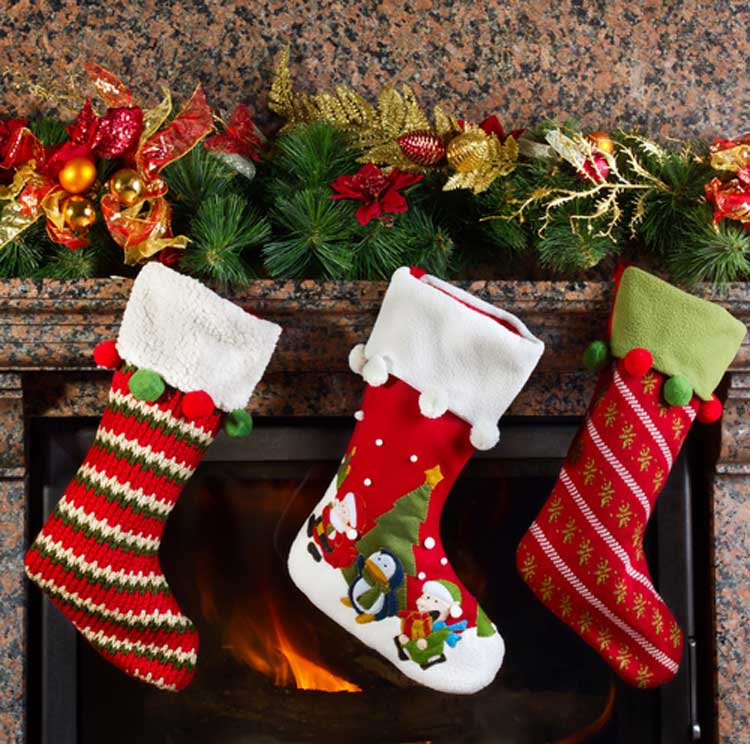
(313, 236)
(222, 232)
(50, 131)
(23, 256)
(309, 157)
(708, 252)
(196, 177)
(64, 263)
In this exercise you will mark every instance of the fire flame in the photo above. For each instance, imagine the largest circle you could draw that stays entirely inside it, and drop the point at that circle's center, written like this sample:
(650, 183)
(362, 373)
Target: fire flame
(271, 652)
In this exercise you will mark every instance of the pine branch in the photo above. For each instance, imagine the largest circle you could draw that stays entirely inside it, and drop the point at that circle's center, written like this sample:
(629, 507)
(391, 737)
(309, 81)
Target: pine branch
(23, 256)
(64, 263)
(315, 236)
(222, 232)
(718, 253)
(50, 131)
(196, 177)
(308, 157)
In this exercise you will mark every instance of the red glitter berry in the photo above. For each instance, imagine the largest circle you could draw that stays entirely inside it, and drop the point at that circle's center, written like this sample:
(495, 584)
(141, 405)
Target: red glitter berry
(637, 362)
(107, 356)
(197, 404)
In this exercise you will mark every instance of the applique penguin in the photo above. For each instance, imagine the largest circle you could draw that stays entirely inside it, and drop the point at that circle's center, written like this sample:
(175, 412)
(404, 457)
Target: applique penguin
(372, 593)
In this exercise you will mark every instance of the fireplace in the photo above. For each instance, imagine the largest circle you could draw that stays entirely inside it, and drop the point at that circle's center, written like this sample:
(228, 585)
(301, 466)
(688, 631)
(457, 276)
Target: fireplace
(273, 668)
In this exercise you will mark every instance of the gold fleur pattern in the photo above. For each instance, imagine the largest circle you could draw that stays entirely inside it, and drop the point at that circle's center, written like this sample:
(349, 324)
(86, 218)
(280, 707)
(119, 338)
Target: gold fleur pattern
(627, 436)
(585, 550)
(528, 567)
(545, 589)
(621, 591)
(643, 676)
(624, 514)
(589, 471)
(645, 458)
(648, 383)
(606, 492)
(624, 656)
(610, 414)
(569, 531)
(639, 605)
(602, 572)
(678, 426)
(555, 509)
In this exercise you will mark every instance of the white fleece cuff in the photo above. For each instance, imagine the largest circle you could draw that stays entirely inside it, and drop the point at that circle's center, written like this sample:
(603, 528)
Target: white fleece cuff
(193, 338)
(449, 345)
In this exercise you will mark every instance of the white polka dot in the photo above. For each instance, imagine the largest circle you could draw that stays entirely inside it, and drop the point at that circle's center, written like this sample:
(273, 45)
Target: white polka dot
(429, 543)
(413, 458)
(443, 561)
(421, 575)
(359, 415)
(378, 442)
(367, 482)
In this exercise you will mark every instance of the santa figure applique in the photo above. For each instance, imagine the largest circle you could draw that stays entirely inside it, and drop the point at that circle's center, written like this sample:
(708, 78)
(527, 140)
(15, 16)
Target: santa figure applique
(335, 532)
(425, 631)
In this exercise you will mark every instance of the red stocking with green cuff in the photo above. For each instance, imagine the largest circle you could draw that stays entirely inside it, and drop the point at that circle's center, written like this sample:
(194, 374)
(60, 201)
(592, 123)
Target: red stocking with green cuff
(191, 359)
(583, 555)
(442, 367)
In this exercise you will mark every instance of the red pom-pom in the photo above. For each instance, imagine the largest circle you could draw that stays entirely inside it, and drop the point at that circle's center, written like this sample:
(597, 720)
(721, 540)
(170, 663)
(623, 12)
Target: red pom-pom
(107, 356)
(197, 404)
(417, 271)
(637, 362)
(710, 410)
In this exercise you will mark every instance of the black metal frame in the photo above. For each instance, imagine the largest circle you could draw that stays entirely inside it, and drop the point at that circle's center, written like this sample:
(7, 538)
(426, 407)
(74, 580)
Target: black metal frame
(59, 445)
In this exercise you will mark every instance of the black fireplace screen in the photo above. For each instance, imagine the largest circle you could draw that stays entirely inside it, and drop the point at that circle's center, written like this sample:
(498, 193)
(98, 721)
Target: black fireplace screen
(272, 668)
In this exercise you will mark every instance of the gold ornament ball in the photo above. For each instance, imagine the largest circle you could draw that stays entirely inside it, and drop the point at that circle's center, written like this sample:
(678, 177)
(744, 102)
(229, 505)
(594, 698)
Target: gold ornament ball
(77, 175)
(127, 186)
(601, 140)
(468, 151)
(78, 212)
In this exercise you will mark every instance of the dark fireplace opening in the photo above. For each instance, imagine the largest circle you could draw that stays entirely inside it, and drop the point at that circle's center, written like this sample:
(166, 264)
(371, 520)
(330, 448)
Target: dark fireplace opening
(272, 668)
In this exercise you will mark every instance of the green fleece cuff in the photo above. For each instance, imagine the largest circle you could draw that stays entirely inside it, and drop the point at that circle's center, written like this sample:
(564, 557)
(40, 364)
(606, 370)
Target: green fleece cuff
(686, 336)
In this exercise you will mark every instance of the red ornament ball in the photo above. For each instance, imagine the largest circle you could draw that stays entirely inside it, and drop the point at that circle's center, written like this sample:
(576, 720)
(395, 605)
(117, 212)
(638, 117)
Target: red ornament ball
(710, 410)
(197, 404)
(107, 356)
(637, 362)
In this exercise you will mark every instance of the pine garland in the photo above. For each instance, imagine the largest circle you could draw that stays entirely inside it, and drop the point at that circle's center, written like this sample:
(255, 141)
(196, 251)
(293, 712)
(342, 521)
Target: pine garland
(452, 196)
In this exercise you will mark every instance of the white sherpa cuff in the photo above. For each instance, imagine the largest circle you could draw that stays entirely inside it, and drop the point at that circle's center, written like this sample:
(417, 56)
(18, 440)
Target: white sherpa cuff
(193, 338)
(451, 347)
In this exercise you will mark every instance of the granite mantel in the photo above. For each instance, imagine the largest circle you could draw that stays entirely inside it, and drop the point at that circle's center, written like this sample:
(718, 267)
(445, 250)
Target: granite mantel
(49, 328)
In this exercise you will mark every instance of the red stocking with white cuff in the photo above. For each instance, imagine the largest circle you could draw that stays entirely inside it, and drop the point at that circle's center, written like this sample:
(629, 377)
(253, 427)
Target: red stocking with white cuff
(442, 367)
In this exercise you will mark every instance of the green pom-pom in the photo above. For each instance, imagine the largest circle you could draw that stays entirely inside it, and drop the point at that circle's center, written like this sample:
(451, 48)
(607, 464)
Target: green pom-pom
(146, 385)
(678, 391)
(238, 423)
(596, 355)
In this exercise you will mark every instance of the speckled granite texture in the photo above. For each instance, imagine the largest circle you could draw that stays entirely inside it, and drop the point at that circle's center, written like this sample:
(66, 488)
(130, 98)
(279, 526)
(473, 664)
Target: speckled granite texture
(676, 68)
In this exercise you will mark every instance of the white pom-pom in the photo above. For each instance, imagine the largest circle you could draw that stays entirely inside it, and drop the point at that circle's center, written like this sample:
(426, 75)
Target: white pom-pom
(352, 534)
(484, 435)
(375, 372)
(456, 610)
(433, 403)
(357, 359)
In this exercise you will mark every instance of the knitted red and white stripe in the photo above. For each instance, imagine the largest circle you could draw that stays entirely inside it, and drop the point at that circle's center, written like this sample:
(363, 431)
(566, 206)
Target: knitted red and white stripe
(97, 555)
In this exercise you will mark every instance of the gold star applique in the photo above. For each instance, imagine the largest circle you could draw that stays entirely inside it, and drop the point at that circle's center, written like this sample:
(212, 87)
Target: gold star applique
(433, 476)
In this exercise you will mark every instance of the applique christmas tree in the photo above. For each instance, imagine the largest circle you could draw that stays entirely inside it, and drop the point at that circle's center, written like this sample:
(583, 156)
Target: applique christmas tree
(397, 530)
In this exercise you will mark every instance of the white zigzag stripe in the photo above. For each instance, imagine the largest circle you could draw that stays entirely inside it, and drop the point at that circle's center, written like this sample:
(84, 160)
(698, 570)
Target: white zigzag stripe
(640, 411)
(160, 683)
(115, 532)
(125, 646)
(167, 618)
(186, 427)
(691, 412)
(605, 534)
(618, 467)
(152, 581)
(575, 582)
(137, 495)
(145, 451)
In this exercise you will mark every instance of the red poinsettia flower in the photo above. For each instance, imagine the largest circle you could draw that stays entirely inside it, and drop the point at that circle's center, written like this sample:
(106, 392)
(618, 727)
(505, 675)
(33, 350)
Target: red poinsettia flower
(492, 125)
(240, 138)
(377, 190)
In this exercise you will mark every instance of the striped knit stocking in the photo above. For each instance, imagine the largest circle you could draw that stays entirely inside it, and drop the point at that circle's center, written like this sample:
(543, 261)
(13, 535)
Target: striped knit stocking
(583, 555)
(190, 357)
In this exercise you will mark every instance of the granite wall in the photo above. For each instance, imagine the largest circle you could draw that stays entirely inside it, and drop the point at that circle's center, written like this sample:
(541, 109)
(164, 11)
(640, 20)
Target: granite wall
(675, 68)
